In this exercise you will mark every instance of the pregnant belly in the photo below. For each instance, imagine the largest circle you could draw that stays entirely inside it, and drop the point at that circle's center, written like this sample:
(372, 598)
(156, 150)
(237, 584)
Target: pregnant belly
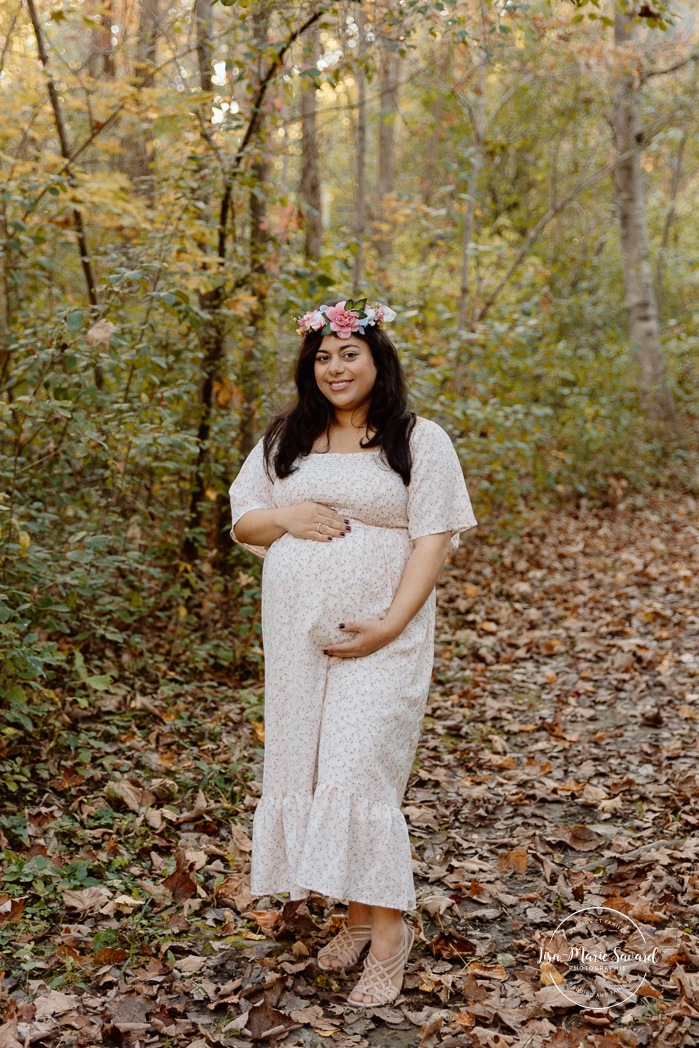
(314, 586)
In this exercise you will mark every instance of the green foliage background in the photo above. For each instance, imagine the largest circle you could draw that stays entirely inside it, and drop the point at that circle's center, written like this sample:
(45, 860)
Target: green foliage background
(98, 442)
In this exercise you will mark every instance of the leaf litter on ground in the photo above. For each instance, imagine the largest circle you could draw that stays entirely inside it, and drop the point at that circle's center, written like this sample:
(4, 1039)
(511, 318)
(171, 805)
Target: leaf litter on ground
(557, 770)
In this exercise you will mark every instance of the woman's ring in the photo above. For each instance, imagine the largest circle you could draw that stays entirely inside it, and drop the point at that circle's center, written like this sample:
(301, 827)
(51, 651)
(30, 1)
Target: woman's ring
(318, 526)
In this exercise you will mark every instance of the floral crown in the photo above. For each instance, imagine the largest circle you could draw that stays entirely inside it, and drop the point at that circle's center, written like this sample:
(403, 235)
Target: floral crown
(344, 318)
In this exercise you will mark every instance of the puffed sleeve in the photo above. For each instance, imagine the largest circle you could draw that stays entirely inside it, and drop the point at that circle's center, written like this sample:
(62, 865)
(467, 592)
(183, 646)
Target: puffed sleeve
(251, 489)
(438, 499)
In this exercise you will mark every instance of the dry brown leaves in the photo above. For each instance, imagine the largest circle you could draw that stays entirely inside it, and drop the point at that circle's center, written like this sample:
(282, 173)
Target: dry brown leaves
(558, 770)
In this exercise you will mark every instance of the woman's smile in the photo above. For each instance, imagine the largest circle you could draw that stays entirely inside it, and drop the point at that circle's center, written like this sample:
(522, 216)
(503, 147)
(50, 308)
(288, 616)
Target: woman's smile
(345, 366)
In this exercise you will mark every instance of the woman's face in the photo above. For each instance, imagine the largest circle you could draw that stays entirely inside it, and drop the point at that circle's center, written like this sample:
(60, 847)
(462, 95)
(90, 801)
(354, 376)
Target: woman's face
(345, 371)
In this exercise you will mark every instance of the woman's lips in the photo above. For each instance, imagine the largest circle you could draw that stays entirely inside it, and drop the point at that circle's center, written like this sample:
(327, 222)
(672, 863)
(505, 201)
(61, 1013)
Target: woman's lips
(336, 387)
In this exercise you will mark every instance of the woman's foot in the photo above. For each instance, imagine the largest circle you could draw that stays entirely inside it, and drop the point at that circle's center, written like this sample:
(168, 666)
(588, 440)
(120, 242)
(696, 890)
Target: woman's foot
(345, 949)
(382, 978)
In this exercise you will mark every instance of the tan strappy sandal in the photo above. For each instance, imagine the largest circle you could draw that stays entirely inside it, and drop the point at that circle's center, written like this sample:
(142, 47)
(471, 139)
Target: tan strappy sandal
(346, 947)
(376, 976)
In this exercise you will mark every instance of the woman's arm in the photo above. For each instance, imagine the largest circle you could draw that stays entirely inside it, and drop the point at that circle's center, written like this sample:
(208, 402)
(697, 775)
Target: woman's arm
(419, 578)
(259, 527)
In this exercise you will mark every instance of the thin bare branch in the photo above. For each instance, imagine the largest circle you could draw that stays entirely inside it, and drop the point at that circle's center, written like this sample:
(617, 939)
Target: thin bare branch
(694, 57)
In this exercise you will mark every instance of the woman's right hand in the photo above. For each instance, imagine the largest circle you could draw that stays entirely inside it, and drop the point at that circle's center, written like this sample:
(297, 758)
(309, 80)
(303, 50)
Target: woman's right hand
(302, 521)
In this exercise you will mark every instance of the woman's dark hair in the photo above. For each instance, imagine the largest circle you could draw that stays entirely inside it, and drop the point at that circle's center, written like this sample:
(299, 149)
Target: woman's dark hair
(292, 431)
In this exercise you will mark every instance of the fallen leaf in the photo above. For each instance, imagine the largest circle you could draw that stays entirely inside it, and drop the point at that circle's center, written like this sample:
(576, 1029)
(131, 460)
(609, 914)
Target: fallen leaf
(134, 797)
(592, 794)
(121, 904)
(516, 860)
(128, 1013)
(190, 964)
(429, 1031)
(237, 1024)
(550, 975)
(487, 971)
(644, 990)
(110, 955)
(181, 884)
(450, 944)
(240, 839)
(11, 909)
(421, 816)
(87, 900)
(265, 1017)
(437, 904)
(236, 890)
(464, 1019)
(266, 919)
(8, 1035)
(550, 998)
(307, 1016)
(584, 839)
(54, 1003)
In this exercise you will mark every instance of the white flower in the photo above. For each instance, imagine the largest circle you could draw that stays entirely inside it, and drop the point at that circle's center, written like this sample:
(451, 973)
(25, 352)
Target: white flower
(317, 320)
(384, 314)
(313, 320)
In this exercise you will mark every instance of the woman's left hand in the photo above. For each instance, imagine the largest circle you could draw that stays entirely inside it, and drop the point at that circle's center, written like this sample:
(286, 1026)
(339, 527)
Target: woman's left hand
(371, 634)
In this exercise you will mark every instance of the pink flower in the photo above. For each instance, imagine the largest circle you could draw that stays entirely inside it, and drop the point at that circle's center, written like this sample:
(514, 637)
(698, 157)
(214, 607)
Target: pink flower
(342, 321)
(313, 320)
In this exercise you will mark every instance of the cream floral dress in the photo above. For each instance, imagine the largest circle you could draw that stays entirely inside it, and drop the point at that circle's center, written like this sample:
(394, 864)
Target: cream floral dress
(341, 734)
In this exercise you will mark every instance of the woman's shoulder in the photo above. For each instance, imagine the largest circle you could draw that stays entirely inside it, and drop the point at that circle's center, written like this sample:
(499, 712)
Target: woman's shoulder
(430, 430)
(426, 423)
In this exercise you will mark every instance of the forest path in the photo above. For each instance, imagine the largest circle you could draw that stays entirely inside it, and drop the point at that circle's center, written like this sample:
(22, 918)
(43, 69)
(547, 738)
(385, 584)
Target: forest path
(557, 772)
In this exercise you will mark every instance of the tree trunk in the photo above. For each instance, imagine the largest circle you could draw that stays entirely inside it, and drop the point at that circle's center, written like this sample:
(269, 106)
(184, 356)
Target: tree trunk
(670, 216)
(640, 300)
(211, 334)
(443, 60)
(310, 177)
(387, 150)
(137, 150)
(360, 147)
(62, 132)
(203, 14)
(478, 125)
(250, 379)
(101, 60)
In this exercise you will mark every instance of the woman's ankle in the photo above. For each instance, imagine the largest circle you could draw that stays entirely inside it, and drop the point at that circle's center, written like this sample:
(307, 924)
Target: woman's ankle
(359, 914)
(386, 921)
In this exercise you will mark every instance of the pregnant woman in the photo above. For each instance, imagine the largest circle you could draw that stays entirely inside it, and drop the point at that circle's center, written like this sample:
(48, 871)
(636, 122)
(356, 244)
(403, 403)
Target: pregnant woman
(348, 632)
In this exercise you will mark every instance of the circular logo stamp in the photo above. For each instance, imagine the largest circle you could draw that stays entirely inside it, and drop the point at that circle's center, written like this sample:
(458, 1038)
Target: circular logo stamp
(597, 957)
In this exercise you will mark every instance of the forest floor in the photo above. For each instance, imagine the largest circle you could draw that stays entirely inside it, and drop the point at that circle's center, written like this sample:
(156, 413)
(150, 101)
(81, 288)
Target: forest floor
(557, 784)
